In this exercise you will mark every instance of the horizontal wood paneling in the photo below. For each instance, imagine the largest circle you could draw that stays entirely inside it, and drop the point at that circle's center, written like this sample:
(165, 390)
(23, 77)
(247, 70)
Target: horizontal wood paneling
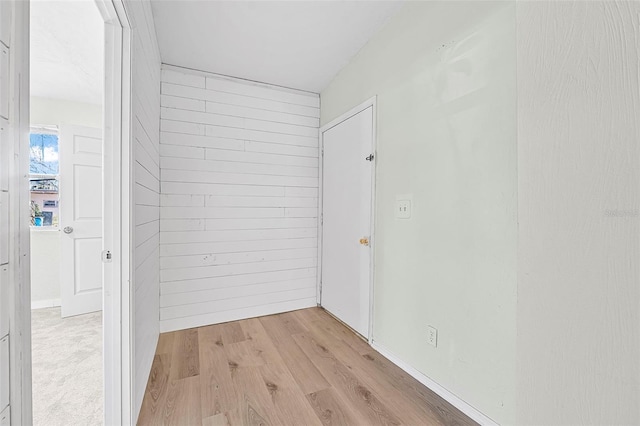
(146, 192)
(228, 212)
(174, 287)
(221, 305)
(191, 297)
(178, 274)
(200, 176)
(236, 314)
(260, 158)
(236, 235)
(211, 165)
(210, 95)
(215, 119)
(239, 199)
(216, 259)
(236, 246)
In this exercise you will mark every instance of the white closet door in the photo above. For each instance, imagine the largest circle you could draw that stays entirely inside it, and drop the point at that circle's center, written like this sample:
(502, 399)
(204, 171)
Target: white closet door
(346, 204)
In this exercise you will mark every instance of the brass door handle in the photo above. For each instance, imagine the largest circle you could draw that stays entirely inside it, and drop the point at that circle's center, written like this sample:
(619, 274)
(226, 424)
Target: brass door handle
(364, 241)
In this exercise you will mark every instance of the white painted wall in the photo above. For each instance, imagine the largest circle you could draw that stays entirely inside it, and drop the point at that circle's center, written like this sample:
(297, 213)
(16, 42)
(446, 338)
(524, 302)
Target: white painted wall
(579, 222)
(239, 166)
(445, 76)
(45, 111)
(45, 267)
(146, 129)
(45, 243)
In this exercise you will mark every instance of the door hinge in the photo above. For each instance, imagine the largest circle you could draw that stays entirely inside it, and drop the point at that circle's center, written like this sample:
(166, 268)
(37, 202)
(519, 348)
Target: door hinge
(370, 157)
(322, 219)
(106, 256)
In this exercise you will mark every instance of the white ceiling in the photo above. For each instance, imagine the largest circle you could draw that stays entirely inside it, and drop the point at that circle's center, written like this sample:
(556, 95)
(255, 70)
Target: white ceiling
(67, 50)
(298, 44)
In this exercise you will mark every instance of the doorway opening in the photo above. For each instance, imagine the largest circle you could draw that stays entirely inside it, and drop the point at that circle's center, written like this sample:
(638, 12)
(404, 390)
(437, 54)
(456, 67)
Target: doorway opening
(67, 51)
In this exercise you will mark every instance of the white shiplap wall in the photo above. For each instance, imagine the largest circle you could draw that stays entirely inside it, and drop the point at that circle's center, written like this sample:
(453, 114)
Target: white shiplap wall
(146, 192)
(239, 198)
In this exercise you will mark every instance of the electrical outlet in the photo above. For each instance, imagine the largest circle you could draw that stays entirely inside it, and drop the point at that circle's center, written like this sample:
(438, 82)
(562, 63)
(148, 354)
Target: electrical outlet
(432, 336)
(403, 206)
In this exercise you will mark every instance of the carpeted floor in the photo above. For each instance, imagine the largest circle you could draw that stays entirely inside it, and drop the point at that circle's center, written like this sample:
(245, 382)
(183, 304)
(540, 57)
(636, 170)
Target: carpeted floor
(67, 368)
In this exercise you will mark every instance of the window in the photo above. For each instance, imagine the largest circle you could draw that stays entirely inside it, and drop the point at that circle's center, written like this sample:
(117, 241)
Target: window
(43, 153)
(44, 167)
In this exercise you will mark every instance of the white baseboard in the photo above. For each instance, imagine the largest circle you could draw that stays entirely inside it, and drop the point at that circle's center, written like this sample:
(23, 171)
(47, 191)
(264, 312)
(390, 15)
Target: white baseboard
(235, 315)
(41, 304)
(435, 387)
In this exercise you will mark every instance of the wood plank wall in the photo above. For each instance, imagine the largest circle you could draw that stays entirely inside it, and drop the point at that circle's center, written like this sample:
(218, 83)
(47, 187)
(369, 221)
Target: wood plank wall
(239, 198)
(146, 192)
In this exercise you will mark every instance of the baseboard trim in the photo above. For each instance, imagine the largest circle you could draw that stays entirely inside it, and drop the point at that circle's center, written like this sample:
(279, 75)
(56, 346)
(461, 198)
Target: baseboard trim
(445, 394)
(235, 315)
(41, 304)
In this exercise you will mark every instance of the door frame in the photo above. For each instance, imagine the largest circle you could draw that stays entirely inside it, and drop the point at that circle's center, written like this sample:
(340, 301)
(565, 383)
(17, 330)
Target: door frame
(117, 175)
(117, 224)
(371, 102)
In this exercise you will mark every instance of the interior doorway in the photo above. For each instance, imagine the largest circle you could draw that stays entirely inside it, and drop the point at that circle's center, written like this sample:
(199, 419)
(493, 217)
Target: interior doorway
(67, 74)
(348, 176)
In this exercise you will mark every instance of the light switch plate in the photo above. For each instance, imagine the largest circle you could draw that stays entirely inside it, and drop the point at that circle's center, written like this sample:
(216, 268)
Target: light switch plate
(404, 204)
(432, 336)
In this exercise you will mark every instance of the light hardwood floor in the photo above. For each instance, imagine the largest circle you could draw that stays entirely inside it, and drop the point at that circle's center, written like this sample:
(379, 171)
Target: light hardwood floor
(298, 368)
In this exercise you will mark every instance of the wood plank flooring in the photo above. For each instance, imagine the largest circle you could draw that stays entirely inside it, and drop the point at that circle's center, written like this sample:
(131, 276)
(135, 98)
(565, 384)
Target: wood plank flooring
(299, 368)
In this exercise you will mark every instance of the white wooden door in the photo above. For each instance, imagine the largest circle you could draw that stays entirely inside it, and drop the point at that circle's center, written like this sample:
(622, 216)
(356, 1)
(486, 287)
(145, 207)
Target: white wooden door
(346, 206)
(80, 219)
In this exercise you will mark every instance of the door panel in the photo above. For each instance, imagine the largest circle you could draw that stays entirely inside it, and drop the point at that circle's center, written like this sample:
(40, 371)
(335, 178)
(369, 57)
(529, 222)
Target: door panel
(87, 202)
(346, 205)
(88, 275)
(81, 219)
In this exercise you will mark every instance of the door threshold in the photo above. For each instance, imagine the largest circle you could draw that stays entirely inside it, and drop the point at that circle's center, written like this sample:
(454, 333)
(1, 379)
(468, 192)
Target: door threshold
(345, 324)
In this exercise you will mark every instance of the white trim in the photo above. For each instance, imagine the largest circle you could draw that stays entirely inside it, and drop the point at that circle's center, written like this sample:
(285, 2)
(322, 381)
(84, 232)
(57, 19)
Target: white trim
(320, 218)
(194, 71)
(117, 334)
(445, 394)
(42, 304)
(44, 129)
(20, 256)
(369, 103)
(372, 233)
(117, 313)
(235, 315)
(347, 115)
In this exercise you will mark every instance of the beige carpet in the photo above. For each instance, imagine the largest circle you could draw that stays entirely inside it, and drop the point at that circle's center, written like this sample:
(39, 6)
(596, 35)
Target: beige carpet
(67, 368)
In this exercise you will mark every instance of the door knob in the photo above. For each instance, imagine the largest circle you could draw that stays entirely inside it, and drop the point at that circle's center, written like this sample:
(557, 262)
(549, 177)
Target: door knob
(67, 229)
(364, 241)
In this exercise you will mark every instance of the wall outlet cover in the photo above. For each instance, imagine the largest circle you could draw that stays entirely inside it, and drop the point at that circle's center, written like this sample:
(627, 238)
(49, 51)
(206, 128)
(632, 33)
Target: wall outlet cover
(403, 206)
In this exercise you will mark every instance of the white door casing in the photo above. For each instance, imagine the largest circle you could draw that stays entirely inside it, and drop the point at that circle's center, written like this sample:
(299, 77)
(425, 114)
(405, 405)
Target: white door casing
(80, 219)
(118, 171)
(347, 198)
